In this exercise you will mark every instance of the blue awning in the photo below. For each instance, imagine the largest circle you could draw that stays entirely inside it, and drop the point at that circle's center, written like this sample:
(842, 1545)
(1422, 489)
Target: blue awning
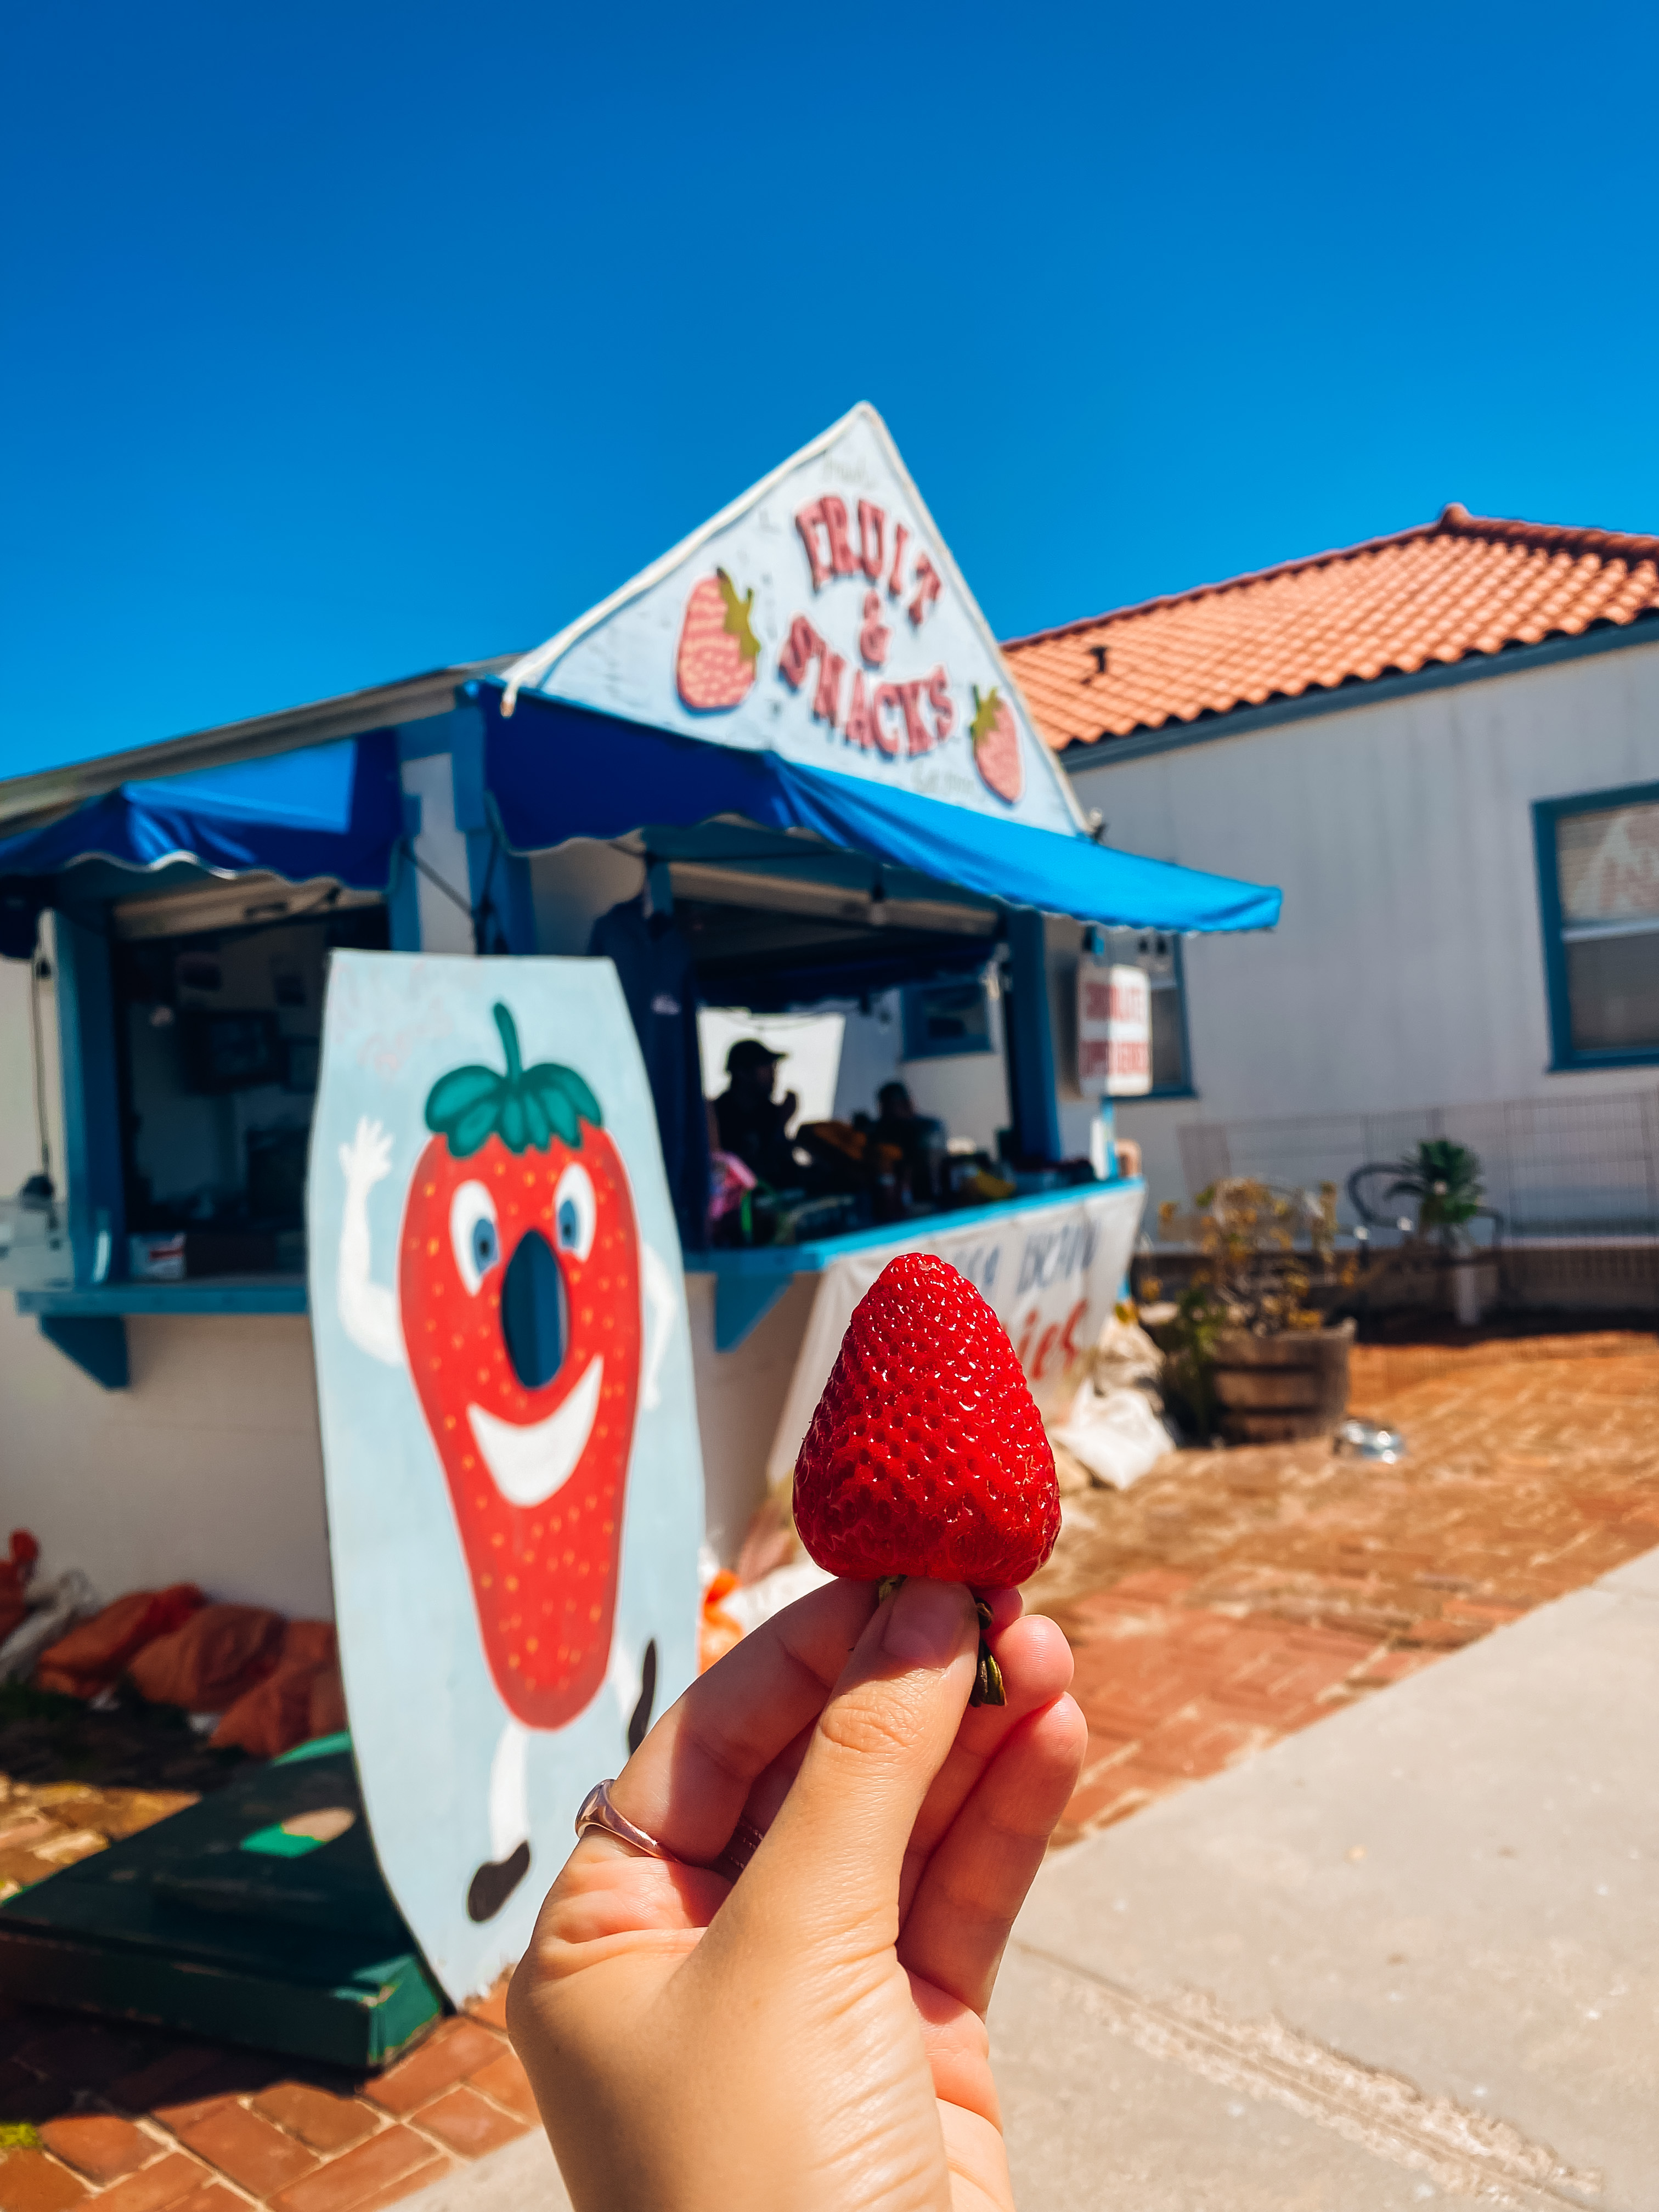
(333, 810)
(557, 772)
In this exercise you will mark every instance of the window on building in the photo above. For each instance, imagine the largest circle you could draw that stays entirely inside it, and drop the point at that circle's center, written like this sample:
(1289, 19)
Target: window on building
(1160, 955)
(1598, 861)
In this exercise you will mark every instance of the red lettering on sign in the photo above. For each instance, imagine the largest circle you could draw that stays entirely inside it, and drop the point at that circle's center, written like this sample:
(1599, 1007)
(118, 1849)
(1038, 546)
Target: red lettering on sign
(1096, 1002)
(1045, 1346)
(938, 698)
(901, 536)
(873, 538)
(860, 722)
(929, 587)
(809, 520)
(1024, 1346)
(842, 559)
(1094, 1057)
(875, 637)
(1068, 1343)
(887, 695)
(826, 707)
(917, 735)
(804, 647)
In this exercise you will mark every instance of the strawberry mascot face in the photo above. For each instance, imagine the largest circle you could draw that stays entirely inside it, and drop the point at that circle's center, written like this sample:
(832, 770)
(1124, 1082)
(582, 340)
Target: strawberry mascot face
(519, 1283)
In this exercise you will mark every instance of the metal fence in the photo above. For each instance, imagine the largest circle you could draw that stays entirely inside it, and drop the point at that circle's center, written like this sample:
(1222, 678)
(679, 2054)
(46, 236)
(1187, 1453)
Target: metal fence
(1574, 1181)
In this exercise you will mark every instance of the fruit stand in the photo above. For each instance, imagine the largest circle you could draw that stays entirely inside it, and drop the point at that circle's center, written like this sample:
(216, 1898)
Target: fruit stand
(785, 768)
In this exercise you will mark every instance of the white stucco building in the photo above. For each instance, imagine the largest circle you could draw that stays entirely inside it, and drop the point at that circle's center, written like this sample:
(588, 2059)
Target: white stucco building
(1444, 746)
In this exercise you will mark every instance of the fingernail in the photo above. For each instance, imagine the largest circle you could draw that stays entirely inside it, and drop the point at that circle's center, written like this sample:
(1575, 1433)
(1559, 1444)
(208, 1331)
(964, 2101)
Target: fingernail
(927, 1624)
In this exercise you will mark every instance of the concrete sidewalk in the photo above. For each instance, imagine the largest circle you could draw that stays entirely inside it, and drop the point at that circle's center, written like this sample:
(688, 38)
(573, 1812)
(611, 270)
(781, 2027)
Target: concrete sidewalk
(1412, 1953)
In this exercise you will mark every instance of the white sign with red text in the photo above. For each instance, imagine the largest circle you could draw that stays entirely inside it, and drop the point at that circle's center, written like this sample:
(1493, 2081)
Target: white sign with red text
(820, 617)
(1114, 1031)
(1052, 1274)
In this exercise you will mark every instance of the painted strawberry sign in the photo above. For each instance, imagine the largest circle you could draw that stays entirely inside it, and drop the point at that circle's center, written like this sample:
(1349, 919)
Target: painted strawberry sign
(509, 1437)
(533, 1425)
(718, 650)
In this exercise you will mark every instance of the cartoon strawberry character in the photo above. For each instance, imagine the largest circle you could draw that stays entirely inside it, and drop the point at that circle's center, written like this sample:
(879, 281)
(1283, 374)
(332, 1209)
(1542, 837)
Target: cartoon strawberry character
(718, 651)
(926, 1455)
(519, 1294)
(995, 736)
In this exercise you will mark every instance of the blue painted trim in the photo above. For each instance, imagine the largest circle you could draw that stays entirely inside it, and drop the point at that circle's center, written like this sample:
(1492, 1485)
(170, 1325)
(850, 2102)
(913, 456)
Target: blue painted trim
(92, 1106)
(403, 897)
(772, 1261)
(1080, 758)
(281, 1294)
(98, 1346)
(498, 879)
(741, 1303)
(1030, 1040)
(1565, 1058)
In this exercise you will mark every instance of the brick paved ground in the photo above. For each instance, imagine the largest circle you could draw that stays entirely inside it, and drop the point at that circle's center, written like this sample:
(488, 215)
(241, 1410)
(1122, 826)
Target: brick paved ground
(113, 2119)
(1225, 1599)
(1232, 1596)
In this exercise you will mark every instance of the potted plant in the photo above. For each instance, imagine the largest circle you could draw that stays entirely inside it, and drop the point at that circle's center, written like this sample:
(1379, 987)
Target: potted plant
(1445, 1180)
(1245, 1347)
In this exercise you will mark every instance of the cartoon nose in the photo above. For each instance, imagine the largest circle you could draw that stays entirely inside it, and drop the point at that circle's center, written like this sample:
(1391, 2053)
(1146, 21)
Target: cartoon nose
(534, 1319)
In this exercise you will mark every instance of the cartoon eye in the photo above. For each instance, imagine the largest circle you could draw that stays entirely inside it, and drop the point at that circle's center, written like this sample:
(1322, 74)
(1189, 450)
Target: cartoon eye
(472, 1233)
(573, 1213)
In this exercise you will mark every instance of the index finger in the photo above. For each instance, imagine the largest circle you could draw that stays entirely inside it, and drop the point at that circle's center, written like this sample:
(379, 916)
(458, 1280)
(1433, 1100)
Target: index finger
(688, 1782)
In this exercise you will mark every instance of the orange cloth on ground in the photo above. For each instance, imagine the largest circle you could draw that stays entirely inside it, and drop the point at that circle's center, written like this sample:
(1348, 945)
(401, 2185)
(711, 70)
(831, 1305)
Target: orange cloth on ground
(717, 1632)
(284, 1711)
(97, 1652)
(218, 1655)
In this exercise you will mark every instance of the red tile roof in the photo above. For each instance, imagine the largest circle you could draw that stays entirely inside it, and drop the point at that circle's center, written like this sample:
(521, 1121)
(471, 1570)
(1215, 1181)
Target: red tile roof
(1461, 585)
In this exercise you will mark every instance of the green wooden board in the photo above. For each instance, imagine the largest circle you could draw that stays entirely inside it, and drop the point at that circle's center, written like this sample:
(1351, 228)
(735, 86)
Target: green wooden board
(258, 1916)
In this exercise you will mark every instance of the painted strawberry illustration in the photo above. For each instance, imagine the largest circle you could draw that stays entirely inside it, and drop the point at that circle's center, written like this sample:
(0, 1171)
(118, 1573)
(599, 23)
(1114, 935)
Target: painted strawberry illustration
(718, 651)
(926, 1455)
(995, 736)
(518, 1281)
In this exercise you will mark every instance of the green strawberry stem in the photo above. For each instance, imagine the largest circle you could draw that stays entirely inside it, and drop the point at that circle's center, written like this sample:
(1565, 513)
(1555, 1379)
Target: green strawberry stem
(987, 1677)
(509, 1035)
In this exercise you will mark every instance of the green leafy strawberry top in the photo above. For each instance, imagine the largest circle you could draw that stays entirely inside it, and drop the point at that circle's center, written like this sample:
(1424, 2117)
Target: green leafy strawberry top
(523, 1108)
(737, 616)
(984, 716)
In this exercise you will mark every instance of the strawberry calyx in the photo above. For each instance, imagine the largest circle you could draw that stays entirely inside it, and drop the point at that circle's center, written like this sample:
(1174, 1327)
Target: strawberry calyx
(736, 623)
(526, 1108)
(987, 1688)
(984, 716)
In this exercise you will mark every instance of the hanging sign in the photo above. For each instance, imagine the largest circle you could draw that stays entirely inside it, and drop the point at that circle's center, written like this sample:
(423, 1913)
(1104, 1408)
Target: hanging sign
(509, 1436)
(820, 617)
(1113, 1031)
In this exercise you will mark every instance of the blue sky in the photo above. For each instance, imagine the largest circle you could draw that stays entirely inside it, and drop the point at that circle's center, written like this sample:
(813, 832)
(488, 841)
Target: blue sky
(343, 342)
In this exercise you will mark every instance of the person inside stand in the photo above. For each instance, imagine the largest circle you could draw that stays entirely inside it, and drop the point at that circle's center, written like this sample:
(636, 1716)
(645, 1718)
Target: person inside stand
(919, 1139)
(751, 1123)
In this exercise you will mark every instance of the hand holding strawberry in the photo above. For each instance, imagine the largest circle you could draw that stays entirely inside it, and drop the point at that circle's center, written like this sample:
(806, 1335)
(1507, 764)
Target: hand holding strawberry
(815, 2036)
(926, 1455)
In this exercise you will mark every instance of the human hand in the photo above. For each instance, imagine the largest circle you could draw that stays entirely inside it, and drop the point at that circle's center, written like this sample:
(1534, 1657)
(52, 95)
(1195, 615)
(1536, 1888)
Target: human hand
(811, 2039)
(786, 1109)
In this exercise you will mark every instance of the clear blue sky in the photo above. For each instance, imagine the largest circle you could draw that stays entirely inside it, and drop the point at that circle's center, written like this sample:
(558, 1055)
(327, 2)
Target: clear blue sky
(345, 341)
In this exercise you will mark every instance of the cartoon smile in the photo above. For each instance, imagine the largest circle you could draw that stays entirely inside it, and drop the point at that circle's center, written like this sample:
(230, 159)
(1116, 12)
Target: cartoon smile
(529, 1460)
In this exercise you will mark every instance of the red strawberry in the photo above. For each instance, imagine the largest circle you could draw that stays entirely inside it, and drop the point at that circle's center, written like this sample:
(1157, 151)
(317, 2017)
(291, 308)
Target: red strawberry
(927, 1456)
(718, 651)
(536, 1460)
(995, 736)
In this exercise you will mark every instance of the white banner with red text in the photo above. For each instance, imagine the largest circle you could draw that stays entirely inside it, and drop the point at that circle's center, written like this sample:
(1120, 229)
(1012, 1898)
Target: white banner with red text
(1052, 1275)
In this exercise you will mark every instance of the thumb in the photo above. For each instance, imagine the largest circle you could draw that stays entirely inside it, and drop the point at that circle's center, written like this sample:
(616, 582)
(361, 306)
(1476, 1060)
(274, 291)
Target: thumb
(833, 1854)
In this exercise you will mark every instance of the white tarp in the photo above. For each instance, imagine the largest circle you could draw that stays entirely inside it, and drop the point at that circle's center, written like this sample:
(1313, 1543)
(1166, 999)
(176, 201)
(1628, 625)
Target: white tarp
(1052, 1275)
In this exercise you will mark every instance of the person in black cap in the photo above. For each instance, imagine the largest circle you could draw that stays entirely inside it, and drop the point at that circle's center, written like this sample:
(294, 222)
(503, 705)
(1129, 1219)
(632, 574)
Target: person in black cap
(751, 1123)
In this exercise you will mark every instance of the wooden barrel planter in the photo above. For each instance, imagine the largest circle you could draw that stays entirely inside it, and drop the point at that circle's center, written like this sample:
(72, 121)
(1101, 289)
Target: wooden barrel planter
(1273, 1390)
